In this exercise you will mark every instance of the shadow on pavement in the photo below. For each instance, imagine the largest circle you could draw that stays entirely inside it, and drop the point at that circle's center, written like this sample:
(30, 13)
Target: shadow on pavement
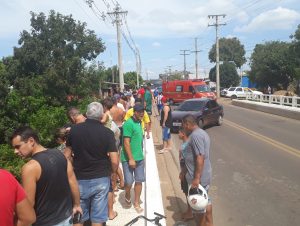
(176, 215)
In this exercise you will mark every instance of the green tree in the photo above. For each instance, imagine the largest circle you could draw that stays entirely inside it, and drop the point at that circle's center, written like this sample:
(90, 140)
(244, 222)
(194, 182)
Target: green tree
(295, 51)
(10, 161)
(175, 76)
(4, 84)
(228, 75)
(130, 79)
(230, 49)
(56, 50)
(272, 64)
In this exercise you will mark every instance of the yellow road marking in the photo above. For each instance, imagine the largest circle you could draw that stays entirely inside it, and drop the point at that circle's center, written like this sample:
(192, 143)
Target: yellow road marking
(268, 140)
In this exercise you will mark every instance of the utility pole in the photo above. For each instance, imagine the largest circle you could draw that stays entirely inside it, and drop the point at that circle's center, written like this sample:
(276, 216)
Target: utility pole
(138, 67)
(184, 62)
(118, 21)
(168, 72)
(217, 48)
(112, 69)
(196, 56)
(241, 72)
(147, 75)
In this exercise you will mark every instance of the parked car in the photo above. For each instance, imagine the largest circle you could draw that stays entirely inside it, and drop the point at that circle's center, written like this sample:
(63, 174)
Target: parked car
(180, 90)
(207, 112)
(223, 92)
(240, 92)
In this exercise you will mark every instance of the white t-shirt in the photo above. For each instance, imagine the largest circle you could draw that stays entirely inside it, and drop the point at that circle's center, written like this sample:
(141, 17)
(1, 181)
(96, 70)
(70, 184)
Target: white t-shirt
(119, 105)
(132, 101)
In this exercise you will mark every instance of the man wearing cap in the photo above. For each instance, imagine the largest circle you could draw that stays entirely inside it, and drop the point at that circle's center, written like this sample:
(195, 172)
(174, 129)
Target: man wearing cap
(145, 122)
(132, 157)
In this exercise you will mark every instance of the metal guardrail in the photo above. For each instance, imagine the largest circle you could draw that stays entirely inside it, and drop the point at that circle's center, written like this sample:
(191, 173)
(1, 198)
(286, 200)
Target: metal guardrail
(291, 101)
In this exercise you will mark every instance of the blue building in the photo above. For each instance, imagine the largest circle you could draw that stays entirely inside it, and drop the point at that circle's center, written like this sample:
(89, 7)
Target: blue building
(247, 83)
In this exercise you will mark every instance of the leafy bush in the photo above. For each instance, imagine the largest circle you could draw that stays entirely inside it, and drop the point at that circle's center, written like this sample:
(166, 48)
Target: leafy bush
(10, 161)
(45, 121)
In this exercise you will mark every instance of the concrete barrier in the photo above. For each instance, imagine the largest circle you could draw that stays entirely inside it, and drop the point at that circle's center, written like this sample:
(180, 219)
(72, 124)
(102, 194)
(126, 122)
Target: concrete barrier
(284, 111)
(153, 197)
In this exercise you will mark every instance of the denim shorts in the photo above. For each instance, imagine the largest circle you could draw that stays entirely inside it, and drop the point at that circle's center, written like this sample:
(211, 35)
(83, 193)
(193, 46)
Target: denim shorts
(166, 133)
(137, 174)
(93, 199)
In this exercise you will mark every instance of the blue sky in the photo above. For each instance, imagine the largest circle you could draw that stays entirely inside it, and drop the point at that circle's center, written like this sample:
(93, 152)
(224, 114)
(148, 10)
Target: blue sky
(161, 29)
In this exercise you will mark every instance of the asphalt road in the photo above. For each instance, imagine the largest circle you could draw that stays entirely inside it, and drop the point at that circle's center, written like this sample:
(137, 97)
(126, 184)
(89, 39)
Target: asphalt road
(256, 170)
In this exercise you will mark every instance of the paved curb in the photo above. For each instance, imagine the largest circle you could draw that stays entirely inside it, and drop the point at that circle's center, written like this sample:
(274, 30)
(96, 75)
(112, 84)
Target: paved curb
(285, 111)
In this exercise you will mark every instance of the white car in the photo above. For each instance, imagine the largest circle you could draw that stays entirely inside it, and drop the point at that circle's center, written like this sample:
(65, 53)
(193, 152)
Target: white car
(240, 92)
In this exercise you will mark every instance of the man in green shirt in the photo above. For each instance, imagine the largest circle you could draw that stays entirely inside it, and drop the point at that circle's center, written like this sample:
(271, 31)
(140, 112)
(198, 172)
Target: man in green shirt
(132, 157)
(148, 100)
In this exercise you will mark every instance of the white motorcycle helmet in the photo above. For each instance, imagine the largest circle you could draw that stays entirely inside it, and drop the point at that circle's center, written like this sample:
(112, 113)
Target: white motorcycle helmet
(197, 198)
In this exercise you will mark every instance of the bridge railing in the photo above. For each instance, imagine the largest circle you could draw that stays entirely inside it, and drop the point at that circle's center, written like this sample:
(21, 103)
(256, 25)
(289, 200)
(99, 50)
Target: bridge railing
(291, 101)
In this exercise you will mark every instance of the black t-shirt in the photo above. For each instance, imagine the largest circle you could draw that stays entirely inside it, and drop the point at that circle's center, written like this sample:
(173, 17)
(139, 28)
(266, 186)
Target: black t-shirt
(91, 142)
(53, 199)
(169, 118)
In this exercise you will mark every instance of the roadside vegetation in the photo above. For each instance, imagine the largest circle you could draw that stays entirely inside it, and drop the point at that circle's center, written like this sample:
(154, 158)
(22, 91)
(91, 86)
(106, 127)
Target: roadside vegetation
(274, 63)
(52, 68)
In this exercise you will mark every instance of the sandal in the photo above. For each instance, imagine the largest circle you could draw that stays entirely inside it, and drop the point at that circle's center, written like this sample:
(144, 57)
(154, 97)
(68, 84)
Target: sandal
(121, 188)
(128, 203)
(138, 209)
(162, 151)
(116, 214)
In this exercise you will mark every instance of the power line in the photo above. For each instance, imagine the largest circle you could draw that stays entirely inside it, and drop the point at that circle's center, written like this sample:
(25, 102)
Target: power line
(136, 52)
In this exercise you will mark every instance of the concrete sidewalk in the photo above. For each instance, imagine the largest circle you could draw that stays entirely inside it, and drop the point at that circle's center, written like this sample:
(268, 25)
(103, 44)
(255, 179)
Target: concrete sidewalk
(151, 195)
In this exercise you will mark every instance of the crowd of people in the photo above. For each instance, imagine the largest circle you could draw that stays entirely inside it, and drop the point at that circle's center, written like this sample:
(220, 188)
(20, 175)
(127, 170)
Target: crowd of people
(75, 182)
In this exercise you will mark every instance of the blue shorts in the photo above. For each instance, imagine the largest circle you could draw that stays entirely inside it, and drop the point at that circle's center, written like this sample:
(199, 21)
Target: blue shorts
(93, 199)
(160, 107)
(166, 133)
(134, 175)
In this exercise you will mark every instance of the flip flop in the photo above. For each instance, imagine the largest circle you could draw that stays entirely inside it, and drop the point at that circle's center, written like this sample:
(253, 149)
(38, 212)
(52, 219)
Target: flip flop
(121, 188)
(128, 203)
(116, 214)
(138, 209)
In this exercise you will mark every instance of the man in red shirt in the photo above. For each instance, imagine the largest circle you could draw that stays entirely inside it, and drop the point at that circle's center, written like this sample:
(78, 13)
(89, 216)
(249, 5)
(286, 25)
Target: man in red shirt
(141, 92)
(13, 202)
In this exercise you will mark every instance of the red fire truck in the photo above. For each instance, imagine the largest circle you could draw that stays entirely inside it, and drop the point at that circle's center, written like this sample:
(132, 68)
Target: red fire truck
(179, 90)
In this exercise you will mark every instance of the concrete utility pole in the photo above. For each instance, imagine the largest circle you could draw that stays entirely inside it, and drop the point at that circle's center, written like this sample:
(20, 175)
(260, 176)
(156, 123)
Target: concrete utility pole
(196, 56)
(169, 71)
(118, 21)
(147, 75)
(138, 67)
(184, 62)
(217, 48)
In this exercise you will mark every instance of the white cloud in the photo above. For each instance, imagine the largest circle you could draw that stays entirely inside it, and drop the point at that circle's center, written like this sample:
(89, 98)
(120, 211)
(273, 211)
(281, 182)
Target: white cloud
(276, 19)
(156, 44)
